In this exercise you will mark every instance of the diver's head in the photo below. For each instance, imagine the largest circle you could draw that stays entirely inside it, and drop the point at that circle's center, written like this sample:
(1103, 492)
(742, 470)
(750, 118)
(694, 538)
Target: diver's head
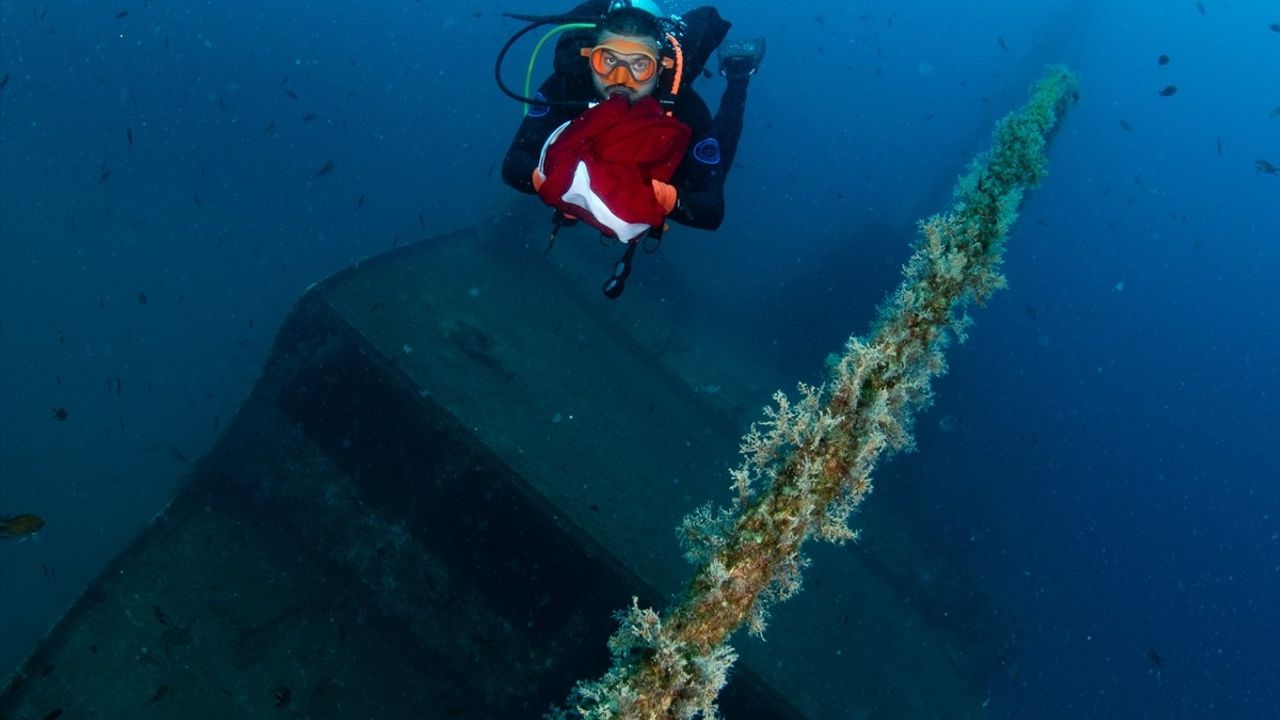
(627, 57)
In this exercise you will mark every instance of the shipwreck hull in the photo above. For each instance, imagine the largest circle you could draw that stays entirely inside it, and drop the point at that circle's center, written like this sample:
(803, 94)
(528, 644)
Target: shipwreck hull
(458, 463)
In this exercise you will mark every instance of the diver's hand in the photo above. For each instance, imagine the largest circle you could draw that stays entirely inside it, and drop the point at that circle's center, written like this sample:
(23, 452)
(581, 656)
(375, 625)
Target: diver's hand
(666, 195)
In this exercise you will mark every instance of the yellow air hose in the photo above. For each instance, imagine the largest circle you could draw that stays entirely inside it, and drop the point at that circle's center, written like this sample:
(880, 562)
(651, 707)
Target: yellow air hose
(533, 59)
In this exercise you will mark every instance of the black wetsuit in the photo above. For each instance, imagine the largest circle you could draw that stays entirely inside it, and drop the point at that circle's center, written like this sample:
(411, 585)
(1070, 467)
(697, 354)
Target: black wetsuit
(699, 180)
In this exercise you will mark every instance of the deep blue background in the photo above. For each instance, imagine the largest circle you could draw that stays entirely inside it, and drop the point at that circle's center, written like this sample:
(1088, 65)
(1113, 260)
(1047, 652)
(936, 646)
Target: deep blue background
(1102, 454)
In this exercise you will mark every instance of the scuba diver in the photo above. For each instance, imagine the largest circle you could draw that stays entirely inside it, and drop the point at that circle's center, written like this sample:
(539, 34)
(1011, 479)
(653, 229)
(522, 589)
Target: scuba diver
(616, 137)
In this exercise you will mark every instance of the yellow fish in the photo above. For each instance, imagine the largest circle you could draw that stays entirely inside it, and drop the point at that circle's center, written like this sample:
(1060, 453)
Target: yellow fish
(20, 526)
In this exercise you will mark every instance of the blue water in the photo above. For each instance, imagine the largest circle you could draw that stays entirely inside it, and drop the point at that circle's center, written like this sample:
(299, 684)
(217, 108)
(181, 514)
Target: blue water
(1102, 454)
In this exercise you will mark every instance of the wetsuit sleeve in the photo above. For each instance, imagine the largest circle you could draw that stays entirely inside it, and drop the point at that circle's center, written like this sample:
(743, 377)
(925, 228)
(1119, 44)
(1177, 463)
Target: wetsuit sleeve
(699, 180)
(537, 126)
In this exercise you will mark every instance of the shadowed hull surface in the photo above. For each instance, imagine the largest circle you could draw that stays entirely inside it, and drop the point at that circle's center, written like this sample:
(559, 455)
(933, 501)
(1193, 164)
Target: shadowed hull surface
(456, 466)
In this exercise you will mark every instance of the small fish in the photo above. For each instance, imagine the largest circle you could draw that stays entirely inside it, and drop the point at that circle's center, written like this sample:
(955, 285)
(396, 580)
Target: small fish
(1265, 168)
(1168, 91)
(309, 117)
(60, 414)
(20, 526)
(292, 95)
(1219, 146)
(360, 202)
(1275, 27)
(103, 176)
(122, 14)
(160, 616)
(142, 298)
(282, 695)
(160, 693)
(198, 201)
(52, 714)
(270, 126)
(1126, 126)
(119, 386)
(4, 81)
(128, 134)
(1275, 112)
(422, 222)
(180, 456)
(1154, 658)
(1162, 60)
(325, 169)
(1200, 7)
(1000, 41)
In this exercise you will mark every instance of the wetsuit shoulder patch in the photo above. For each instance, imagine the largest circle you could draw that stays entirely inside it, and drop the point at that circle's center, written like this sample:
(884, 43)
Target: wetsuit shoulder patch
(538, 110)
(707, 151)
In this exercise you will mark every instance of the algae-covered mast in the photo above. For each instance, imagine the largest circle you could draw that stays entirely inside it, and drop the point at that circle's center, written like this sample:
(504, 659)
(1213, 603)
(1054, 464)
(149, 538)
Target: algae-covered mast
(813, 458)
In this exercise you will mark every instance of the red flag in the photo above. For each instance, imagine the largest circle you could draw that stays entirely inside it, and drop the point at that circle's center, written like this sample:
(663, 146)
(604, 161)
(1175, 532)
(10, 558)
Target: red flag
(601, 167)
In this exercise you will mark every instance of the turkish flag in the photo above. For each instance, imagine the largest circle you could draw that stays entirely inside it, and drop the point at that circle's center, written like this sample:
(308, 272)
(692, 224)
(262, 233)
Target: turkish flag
(602, 165)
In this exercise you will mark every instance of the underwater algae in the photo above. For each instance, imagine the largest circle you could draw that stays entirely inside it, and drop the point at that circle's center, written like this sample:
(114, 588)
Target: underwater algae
(807, 465)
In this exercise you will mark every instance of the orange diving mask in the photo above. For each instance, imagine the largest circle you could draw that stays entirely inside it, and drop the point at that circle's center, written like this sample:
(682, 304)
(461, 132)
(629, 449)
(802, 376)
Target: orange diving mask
(625, 62)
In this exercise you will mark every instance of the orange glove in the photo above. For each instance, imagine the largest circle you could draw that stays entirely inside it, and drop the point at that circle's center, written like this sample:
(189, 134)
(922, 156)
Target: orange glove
(666, 195)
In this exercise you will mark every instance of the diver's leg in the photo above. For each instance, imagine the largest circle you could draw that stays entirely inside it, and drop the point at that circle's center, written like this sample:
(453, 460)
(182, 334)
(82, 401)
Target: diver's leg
(739, 60)
(728, 120)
